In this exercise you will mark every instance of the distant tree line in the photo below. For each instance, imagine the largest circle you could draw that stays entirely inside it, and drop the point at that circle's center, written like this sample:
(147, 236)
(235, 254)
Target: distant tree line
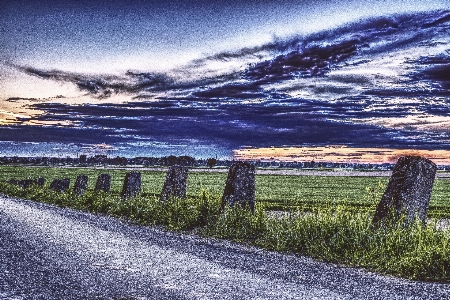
(96, 160)
(103, 160)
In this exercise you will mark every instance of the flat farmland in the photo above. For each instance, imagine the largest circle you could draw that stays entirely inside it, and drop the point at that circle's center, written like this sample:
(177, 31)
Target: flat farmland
(276, 191)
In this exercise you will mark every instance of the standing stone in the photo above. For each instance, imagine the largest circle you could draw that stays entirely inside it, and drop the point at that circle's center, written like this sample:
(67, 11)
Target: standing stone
(26, 183)
(65, 183)
(240, 186)
(408, 191)
(103, 183)
(40, 181)
(13, 181)
(131, 185)
(175, 184)
(55, 184)
(60, 185)
(81, 184)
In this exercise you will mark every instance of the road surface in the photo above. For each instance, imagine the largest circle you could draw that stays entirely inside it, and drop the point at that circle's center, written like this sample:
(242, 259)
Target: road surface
(48, 252)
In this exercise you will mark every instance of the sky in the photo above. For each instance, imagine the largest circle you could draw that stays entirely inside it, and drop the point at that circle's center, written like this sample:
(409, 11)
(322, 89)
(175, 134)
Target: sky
(115, 36)
(204, 78)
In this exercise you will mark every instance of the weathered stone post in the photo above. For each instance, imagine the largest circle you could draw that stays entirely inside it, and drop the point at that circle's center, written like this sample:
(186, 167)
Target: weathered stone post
(175, 184)
(40, 181)
(60, 185)
(65, 183)
(81, 185)
(25, 183)
(13, 181)
(408, 191)
(131, 185)
(103, 183)
(240, 186)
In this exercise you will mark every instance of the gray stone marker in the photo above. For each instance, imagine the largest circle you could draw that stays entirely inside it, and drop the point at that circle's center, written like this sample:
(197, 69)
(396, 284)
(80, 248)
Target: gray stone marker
(240, 186)
(103, 183)
(13, 181)
(408, 191)
(24, 183)
(81, 185)
(60, 185)
(27, 183)
(131, 185)
(175, 184)
(40, 181)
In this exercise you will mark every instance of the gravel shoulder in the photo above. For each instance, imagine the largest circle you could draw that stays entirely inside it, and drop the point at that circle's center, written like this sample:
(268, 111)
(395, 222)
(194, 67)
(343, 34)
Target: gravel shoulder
(48, 252)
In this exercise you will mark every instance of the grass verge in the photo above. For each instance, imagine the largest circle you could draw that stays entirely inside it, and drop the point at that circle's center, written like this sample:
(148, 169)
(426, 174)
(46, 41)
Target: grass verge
(331, 232)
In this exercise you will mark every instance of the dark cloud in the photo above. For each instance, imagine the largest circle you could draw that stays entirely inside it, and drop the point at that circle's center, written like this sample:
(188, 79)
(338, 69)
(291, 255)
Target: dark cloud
(15, 99)
(277, 46)
(435, 71)
(150, 81)
(349, 79)
(442, 19)
(102, 86)
(228, 55)
(232, 125)
(238, 91)
(440, 73)
(316, 54)
(366, 30)
(315, 61)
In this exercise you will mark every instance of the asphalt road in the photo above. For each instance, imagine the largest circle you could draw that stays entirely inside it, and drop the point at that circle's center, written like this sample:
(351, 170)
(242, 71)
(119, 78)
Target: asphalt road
(53, 253)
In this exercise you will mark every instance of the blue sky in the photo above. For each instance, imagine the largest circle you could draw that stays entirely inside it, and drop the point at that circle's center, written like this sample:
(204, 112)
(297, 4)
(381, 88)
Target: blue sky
(99, 36)
(178, 77)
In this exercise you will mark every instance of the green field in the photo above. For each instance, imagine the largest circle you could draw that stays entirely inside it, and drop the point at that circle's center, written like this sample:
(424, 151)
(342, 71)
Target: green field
(278, 192)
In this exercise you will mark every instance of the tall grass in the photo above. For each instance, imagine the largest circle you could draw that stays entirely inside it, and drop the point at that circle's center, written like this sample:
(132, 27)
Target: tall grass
(332, 232)
(341, 236)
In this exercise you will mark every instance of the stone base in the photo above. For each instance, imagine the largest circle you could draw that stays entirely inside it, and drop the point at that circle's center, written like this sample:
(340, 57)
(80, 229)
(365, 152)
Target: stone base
(60, 185)
(240, 186)
(131, 185)
(103, 183)
(81, 185)
(409, 190)
(175, 184)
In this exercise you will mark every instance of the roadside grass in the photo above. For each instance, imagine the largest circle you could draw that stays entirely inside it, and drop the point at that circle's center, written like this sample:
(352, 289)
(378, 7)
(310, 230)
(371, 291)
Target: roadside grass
(277, 192)
(330, 228)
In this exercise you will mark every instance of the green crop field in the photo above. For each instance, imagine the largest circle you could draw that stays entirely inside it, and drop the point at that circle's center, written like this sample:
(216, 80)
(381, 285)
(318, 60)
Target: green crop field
(278, 192)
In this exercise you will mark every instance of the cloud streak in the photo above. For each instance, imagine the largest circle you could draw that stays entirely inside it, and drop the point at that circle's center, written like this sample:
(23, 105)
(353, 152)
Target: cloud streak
(313, 55)
(378, 82)
(103, 86)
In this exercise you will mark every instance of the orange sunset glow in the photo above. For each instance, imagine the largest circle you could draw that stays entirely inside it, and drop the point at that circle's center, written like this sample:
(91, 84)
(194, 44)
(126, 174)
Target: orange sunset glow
(339, 154)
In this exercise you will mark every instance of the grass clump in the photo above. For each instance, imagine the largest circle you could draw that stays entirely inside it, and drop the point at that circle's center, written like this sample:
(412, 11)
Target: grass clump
(240, 225)
(341, 236)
